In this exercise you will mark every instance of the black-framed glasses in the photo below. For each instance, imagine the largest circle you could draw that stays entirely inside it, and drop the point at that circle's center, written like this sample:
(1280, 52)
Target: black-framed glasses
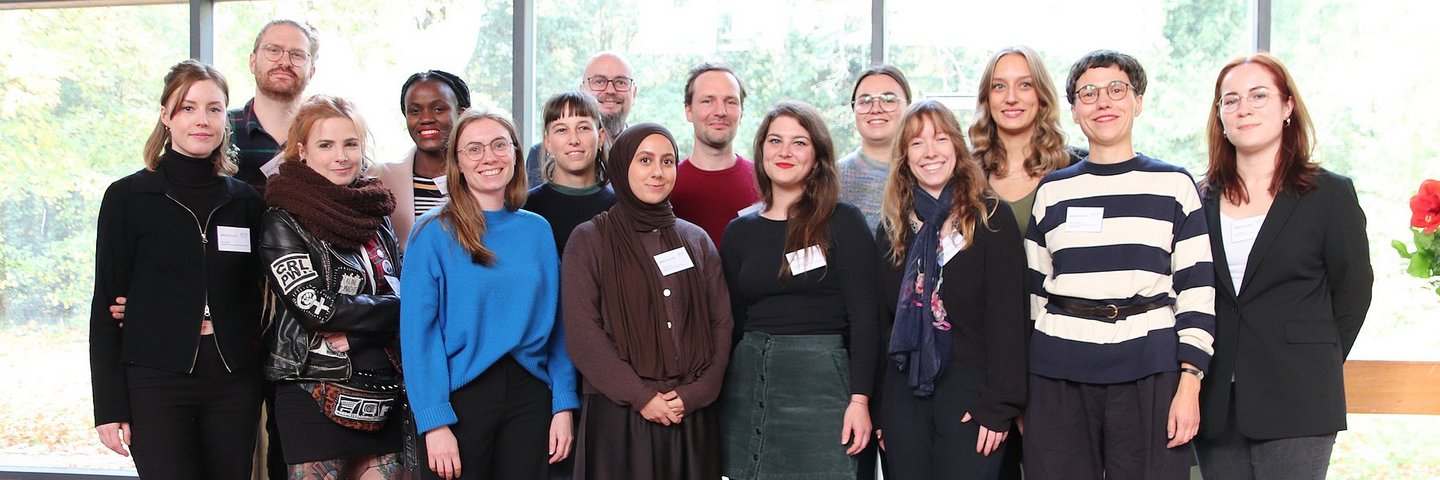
(1089, 94)
(866, 103)
(297, 57)
(599, 82)
(1230, 102)
(474, 151)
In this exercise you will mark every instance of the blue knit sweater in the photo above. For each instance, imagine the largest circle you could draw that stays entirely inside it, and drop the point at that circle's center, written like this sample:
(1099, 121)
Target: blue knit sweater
(458, 318)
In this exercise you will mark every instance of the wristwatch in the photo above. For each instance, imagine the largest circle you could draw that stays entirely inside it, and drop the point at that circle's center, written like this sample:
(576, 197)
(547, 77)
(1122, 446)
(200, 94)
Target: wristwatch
(1197, 373)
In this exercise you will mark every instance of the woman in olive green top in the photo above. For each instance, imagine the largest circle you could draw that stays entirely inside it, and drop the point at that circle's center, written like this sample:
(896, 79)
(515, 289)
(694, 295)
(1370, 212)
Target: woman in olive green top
(1016, 136)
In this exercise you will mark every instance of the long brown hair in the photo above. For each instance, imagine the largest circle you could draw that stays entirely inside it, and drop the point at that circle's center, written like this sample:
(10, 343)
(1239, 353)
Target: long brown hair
(1046, 151)
(809, 217)
(182, 76)
(1294, 170)
(971, 195)
(463, 211)
(320, 107)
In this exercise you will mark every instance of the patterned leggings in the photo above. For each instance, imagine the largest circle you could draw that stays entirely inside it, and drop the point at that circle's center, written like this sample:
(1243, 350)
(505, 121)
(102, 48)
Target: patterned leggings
(373, 467)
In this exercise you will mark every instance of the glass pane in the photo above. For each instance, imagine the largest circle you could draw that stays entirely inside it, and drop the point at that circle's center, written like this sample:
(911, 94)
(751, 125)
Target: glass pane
(806, 50)
(369, 47)
(75, 108)
(1179, 43)
(1380, 136)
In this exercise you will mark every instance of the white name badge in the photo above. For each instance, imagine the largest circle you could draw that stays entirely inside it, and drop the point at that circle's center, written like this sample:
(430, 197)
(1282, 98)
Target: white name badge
(802, 261)
(676, 260)
(232, 239)
(442, 184)
(271, 167)
(1084, 219)
(754, 207)
(951, 245)
(1245, 230)
(394, 282)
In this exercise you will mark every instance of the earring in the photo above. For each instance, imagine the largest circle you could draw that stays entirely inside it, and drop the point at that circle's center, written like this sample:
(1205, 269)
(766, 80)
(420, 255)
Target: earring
(1287, 121)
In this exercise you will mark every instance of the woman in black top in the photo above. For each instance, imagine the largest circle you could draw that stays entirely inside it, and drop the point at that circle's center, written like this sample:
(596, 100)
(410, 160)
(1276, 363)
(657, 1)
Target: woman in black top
(953, 288)
(333, 268)
(575, 187)
(178, 384)
(802, 280)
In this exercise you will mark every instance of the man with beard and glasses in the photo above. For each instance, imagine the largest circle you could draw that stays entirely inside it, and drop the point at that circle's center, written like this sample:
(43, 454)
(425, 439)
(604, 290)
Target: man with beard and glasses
(283, 60)
(714, 184)
(609, 78)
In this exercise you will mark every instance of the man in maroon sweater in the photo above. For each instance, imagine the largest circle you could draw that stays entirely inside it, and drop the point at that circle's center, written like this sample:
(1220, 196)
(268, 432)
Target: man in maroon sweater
(714, 184)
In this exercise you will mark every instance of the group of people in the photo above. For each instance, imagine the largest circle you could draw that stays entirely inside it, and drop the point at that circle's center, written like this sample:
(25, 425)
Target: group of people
(605, 308)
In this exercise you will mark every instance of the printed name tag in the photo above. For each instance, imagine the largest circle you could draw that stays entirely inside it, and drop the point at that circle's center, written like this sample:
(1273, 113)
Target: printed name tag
(442, 184)
(951, 245)
(394, 282)
(232, 239)
(754, 207)
(802, 261)
(271, 167)
(1084, 219)
(674, 261)
(1245, 230)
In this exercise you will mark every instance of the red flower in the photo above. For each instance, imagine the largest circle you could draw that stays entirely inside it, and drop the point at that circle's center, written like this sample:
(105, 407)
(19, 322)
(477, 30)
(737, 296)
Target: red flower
(1425, 207)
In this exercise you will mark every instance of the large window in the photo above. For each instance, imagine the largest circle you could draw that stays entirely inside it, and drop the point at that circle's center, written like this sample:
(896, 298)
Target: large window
(806, 50)
(943, 48)
(1363, 73)
(369, 47)
(79, 97)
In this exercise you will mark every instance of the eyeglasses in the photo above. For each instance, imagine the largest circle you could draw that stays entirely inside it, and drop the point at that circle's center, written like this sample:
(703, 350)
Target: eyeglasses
(1230, 102)
(1089, 94)
(599, 82)
(888, 102)
(297, 57)
(474, 151)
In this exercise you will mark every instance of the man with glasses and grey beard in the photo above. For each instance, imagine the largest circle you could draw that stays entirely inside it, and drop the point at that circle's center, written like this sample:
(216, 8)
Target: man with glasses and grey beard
(609, 78)
(283, 60)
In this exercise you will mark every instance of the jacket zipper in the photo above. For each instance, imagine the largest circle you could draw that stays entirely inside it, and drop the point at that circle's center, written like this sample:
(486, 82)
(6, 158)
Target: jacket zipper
(204, 254)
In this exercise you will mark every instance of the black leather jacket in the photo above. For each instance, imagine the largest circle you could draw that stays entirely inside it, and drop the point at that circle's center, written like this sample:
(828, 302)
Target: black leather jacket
(313, 287)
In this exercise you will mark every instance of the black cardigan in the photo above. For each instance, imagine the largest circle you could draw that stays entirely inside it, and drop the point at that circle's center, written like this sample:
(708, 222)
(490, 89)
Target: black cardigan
(149, 249)
(984, 294)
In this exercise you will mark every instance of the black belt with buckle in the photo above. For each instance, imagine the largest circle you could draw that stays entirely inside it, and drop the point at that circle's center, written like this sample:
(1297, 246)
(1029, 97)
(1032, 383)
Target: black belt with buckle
(1082, 307)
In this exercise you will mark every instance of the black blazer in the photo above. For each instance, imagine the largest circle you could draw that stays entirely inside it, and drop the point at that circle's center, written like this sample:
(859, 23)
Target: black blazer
(1285, 335)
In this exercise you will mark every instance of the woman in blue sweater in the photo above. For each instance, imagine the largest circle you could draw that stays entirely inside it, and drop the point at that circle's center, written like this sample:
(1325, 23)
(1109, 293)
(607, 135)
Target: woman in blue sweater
(486, 366)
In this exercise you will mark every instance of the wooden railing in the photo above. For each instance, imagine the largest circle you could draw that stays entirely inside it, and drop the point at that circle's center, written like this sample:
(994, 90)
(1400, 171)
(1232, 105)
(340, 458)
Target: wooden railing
(1392, 387)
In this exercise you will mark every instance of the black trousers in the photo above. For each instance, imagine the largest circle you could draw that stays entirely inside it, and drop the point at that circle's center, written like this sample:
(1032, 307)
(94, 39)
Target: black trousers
(503, 430)
(194, 425)
(924, 437)
(1078, 431)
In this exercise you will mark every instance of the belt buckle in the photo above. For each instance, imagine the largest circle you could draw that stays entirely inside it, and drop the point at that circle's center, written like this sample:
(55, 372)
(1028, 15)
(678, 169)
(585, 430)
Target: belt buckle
(1114, 311)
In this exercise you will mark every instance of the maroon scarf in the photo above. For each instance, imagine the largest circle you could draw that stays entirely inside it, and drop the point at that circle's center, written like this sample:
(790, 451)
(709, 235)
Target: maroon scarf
(344, 215)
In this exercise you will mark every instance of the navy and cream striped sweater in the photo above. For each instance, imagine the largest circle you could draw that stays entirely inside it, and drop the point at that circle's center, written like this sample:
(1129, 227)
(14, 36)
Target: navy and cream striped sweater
(1146, 241)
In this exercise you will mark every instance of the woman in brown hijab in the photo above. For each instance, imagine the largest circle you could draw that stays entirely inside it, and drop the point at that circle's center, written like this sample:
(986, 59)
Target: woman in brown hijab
(648, 323)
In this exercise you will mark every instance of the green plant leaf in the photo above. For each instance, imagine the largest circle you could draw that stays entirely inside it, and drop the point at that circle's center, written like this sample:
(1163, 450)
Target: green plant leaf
(1421, 264)
(1401, 248)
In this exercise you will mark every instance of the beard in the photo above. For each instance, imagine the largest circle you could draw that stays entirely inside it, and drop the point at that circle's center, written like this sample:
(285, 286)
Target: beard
(613, 124)
(717, 140)
(280, 88)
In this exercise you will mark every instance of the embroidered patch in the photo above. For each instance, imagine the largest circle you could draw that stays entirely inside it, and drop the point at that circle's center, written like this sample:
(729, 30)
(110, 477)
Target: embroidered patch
(362, 409)
(313, 302)
(349, 284)
(292, 270)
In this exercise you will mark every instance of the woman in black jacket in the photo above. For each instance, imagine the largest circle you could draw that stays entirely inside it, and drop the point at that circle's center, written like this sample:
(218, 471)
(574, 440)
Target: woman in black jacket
(178, 384)
(333, 267)
(1292, 282)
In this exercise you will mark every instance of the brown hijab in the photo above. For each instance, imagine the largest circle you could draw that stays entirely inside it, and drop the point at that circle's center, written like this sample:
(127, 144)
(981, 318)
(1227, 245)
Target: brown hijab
(633, 311)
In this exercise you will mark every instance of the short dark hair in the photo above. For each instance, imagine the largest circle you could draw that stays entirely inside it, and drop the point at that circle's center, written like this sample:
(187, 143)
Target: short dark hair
(711, 67)
(457, 86)
(303, 27)
(1102, 59)
(886, 70)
